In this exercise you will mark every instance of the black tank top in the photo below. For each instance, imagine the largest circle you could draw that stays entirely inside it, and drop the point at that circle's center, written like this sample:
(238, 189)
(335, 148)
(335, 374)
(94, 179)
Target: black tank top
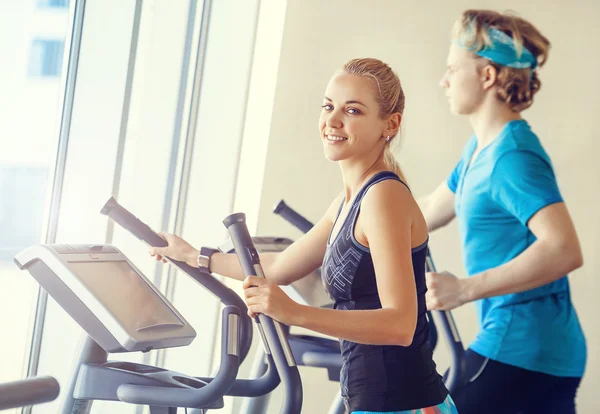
(379, 377)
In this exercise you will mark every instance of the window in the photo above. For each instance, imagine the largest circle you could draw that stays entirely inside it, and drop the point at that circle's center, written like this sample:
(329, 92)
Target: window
(46, 58)
(53, 3)
(139, 119)
(28, 141)
(22, 190)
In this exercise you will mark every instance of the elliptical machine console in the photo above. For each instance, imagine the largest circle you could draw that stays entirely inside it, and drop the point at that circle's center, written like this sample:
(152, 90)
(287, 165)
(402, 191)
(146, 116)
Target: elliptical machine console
(108, 296)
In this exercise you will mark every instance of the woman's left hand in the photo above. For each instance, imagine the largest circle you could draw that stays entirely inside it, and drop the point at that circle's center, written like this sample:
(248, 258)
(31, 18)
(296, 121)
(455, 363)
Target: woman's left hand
(264, 296)
(444, 291)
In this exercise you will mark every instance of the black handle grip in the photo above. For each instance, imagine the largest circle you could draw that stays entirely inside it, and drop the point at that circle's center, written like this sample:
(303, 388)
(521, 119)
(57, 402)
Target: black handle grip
(131, 223)
(243, 244)
(292, 217)
(273, 332)
(142, 231)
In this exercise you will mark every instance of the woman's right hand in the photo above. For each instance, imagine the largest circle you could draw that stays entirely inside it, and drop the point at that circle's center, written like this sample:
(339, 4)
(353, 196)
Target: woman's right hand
(177, 249)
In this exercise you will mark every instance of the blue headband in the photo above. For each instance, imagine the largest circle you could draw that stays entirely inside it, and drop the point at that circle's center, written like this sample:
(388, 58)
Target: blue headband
(503, 51)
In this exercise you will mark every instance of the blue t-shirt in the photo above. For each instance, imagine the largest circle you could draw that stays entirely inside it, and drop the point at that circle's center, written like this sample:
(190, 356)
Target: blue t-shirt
(506, 184)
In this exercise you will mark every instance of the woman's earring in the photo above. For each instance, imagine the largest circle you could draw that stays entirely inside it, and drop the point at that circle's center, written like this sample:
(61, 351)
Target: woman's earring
(387, 139)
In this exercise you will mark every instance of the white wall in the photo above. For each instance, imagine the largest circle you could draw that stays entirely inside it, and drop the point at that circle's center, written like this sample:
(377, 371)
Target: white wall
(413, 37)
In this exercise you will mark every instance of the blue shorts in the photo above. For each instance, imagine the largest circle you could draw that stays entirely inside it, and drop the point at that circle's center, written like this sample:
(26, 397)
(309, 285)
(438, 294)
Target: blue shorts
(447, 407)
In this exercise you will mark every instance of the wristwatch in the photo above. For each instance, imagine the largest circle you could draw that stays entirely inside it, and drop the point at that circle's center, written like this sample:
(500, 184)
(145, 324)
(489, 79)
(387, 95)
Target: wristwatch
(204, 258)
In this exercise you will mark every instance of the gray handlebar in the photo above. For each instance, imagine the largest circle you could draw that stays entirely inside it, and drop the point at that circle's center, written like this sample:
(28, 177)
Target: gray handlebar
(27, 392)
(254, 387)
(292, 217)
(192, 397)
(273, 334)
(450, 331)
(142, 231)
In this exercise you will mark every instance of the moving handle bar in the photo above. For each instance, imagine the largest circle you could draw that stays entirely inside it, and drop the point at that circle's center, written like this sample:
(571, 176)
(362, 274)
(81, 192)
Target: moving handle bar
(272, 330)
(277, 348)
(28, 392)
(445, 319)
(143, 232)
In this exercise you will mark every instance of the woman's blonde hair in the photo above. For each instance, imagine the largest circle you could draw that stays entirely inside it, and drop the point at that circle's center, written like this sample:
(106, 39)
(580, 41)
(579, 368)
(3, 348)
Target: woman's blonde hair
(390, 97)
(516, 87)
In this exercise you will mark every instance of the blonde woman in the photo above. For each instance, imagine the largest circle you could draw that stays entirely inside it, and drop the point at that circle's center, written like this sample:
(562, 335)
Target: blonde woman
(371, 246)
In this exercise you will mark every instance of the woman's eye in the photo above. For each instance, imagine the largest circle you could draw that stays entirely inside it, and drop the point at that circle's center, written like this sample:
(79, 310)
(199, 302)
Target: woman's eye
(354, 111)
(327, 107)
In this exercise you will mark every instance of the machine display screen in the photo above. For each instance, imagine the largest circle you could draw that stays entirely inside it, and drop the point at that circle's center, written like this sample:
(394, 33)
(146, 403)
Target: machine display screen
(124, 294)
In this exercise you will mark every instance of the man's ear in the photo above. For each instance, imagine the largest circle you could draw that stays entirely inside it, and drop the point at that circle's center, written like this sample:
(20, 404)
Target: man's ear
(489, 74)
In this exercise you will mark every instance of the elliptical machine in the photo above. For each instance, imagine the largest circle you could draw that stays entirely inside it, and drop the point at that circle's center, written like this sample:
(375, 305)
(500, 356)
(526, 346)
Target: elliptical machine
(136, 317)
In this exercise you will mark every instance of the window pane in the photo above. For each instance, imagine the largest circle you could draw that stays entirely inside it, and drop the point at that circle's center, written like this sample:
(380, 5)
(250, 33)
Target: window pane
(212, 185)
(150, 109)
(146, 168)
(89, 170)
(53, 3)
(46, 58)
(28, 138)
(154, 155)
(22, 190)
